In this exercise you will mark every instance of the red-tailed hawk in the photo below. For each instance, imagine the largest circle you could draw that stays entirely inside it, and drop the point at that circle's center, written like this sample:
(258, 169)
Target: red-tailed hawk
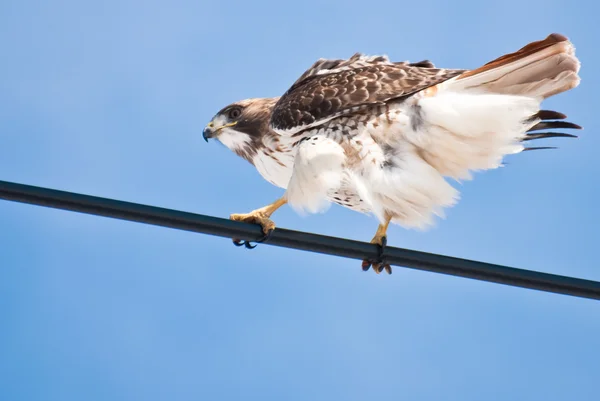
(381, 137)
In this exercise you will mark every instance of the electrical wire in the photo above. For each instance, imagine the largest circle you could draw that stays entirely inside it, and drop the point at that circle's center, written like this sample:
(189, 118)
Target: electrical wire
(298, 240)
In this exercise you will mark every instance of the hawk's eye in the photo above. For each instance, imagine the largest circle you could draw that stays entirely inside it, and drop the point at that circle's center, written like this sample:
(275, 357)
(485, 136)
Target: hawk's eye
(235, 113)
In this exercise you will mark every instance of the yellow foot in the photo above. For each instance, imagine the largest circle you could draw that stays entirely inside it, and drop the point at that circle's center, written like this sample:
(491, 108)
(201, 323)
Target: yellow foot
(256, 217)
(259, 216)
(379, 264)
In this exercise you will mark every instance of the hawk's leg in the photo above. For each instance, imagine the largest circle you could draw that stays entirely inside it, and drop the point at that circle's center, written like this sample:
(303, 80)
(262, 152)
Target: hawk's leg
(380, 239)
(259, 216)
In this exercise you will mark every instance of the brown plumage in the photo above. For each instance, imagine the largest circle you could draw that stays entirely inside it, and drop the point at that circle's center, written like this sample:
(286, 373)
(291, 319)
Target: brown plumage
(347, 90)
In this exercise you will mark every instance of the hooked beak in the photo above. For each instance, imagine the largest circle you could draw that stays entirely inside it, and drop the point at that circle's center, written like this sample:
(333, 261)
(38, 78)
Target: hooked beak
(208, 132)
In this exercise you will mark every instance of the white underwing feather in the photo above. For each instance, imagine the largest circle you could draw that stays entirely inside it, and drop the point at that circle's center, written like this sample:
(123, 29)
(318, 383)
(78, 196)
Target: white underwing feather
(318, 168)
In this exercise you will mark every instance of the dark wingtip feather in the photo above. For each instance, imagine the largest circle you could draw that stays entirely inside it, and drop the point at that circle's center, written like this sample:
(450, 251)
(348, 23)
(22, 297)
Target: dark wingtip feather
(542, 117)
(550, 115)
(542, 135)
(540, 148)
(553, 125)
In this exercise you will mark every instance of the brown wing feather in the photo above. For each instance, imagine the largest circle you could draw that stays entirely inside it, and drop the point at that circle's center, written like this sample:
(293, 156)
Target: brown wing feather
(326, 66)
(320, 97)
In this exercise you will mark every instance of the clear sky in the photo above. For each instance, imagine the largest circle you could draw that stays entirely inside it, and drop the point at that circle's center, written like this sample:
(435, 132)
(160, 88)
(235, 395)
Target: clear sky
(109, 98)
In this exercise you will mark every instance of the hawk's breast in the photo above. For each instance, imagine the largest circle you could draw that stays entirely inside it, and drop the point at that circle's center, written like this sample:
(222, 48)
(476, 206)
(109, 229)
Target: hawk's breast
(275, 161)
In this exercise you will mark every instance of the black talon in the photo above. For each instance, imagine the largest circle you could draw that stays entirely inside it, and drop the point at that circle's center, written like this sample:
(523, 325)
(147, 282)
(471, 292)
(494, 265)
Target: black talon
(381, 257)
(380, 261)
(382, 247)
(248, 244)
(380, 254)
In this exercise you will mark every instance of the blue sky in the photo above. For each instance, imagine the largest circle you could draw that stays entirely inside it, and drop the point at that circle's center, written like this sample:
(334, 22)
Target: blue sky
(110, 99)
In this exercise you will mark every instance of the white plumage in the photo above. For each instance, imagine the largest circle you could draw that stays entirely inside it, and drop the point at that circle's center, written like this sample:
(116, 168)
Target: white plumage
(464, 125)
(383, 137)
(319, 167)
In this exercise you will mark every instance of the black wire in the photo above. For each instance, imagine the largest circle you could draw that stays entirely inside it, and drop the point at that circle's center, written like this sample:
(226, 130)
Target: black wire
(298, 240)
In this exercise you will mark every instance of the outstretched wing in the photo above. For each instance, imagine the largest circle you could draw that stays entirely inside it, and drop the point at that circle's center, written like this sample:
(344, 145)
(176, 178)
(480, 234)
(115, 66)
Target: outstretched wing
(331, 88)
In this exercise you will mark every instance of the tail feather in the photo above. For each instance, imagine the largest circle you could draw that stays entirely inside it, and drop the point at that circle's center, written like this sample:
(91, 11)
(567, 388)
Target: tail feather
(539, 70)
(472, 121)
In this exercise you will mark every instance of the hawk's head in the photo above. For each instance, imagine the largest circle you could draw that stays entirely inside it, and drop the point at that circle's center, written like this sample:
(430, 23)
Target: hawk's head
(241, 125)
